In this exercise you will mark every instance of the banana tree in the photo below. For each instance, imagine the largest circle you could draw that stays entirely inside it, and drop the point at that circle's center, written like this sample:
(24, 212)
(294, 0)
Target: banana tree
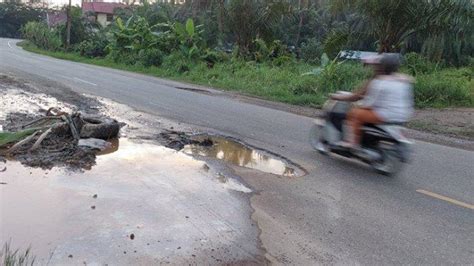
(188, 37)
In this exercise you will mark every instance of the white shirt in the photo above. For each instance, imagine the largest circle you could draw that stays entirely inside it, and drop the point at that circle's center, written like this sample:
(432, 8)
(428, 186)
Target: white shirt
(391, 98)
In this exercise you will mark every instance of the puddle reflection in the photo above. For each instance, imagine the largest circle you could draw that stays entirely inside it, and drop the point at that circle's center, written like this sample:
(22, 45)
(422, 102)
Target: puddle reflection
(113, 147)
(238, 154)
(142, 188)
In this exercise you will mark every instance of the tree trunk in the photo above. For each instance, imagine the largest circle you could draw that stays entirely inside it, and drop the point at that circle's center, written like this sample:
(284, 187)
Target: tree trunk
(303, 6)
(220, 20)
(68, 26)
(195, 8)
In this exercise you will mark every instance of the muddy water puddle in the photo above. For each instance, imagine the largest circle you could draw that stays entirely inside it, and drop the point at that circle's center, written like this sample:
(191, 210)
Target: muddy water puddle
(238, 154)
(177, 209)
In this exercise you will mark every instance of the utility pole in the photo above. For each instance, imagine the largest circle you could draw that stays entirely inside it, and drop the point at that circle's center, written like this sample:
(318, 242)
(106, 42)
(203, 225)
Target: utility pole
(68, 26)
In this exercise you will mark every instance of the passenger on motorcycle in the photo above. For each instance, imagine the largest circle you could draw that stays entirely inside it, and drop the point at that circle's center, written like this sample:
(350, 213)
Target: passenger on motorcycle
(386, 98)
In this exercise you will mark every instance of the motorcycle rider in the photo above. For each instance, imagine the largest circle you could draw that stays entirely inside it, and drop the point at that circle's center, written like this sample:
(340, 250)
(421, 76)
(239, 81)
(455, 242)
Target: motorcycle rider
(386, 98)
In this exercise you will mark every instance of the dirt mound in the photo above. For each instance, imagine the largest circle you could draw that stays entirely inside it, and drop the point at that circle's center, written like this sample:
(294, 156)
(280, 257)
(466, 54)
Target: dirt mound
(177, 140)
(52, 140)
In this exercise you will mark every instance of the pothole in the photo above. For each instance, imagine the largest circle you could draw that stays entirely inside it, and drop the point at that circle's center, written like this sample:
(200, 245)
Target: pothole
(163, 198)
(239, 154)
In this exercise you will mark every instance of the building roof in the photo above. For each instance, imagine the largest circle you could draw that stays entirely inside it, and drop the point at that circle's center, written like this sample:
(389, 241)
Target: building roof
(358, 55)
(101, 7)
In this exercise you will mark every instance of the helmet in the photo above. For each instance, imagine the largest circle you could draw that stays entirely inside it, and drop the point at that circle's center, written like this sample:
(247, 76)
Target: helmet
(389, 62)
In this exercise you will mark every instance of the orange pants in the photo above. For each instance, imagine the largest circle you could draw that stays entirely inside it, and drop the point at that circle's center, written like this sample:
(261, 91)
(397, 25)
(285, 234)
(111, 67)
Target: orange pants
(357, 117)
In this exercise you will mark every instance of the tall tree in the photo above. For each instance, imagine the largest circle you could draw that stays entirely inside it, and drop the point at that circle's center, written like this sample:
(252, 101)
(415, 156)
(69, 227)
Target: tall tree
(393, 22)
(303, 9)
(220, 19)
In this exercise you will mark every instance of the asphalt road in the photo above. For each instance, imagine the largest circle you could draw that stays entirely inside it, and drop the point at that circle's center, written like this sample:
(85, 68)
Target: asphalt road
(341, 212)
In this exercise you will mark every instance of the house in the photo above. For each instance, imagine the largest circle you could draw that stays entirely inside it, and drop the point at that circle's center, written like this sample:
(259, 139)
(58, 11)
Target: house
(102, 12)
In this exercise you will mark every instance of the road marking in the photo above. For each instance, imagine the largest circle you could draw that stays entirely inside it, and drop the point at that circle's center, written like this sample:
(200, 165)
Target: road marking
(85, 81)
(9, 45)
(448, 199)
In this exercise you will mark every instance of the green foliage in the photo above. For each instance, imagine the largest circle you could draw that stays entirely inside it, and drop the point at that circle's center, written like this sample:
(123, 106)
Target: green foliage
(449, 87)
(94, 47)
(212, 57)
(286, 83)
(336, 40)
(418, 64)
(81, 28)
(40, 35)
(276, 52)
(311, 51)
(154, 13)
(10, 137)
(151, 57)
(194, 41)
(189, 38)
(176, 62)
(13, 16)
(249, 19)
(130, 42)
(9, 257)
(441, 29)
(447, 32)
(335, 75)
(327, 66)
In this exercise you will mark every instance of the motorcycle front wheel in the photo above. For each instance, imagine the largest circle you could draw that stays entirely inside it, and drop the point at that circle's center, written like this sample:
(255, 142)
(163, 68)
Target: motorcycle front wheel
(316, 138)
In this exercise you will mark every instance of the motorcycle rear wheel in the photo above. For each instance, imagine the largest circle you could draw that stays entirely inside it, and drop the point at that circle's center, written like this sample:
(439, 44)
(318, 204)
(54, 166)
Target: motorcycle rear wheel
(390, 163)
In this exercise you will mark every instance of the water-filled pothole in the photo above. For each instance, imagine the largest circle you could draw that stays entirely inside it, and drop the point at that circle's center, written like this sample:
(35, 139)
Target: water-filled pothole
(236, 153)
(138, 188)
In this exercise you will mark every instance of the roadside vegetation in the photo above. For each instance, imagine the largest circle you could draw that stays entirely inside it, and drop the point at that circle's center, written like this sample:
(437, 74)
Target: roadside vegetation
(9, 257)
(282, 50)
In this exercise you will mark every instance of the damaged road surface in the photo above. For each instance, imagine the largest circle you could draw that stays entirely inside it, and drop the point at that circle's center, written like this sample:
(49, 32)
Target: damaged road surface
(173, 205)
(133, 201)
(337, 212)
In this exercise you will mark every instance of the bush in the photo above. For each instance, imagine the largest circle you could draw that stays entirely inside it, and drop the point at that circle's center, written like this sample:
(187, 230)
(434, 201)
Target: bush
(151, 57)
(419, 64)
(211, 58)
(311, 51)
(95, 47)
(346, 76)
(306, 85)
(13, 16)
(282, 60)
(40, 35)
(176, 62)
(333, 75)
(450, 87)
(81, 28)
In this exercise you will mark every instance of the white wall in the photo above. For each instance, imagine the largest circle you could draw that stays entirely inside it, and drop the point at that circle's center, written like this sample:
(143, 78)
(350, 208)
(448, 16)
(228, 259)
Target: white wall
(102, 19)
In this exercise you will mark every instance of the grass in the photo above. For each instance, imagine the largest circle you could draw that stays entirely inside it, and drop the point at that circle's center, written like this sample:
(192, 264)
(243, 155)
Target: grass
(9, 137)
(9, 257)
(446, 88)
(282, 84)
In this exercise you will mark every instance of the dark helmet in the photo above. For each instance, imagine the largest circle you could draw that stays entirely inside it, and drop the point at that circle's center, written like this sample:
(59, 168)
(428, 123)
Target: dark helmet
(390, 63)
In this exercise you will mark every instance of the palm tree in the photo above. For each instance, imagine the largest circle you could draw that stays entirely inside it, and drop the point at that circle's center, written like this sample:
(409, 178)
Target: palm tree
(393, 22)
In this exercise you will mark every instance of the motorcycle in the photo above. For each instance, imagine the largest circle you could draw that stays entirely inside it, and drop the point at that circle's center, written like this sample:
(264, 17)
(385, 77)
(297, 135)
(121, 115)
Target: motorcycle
(383, 146)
